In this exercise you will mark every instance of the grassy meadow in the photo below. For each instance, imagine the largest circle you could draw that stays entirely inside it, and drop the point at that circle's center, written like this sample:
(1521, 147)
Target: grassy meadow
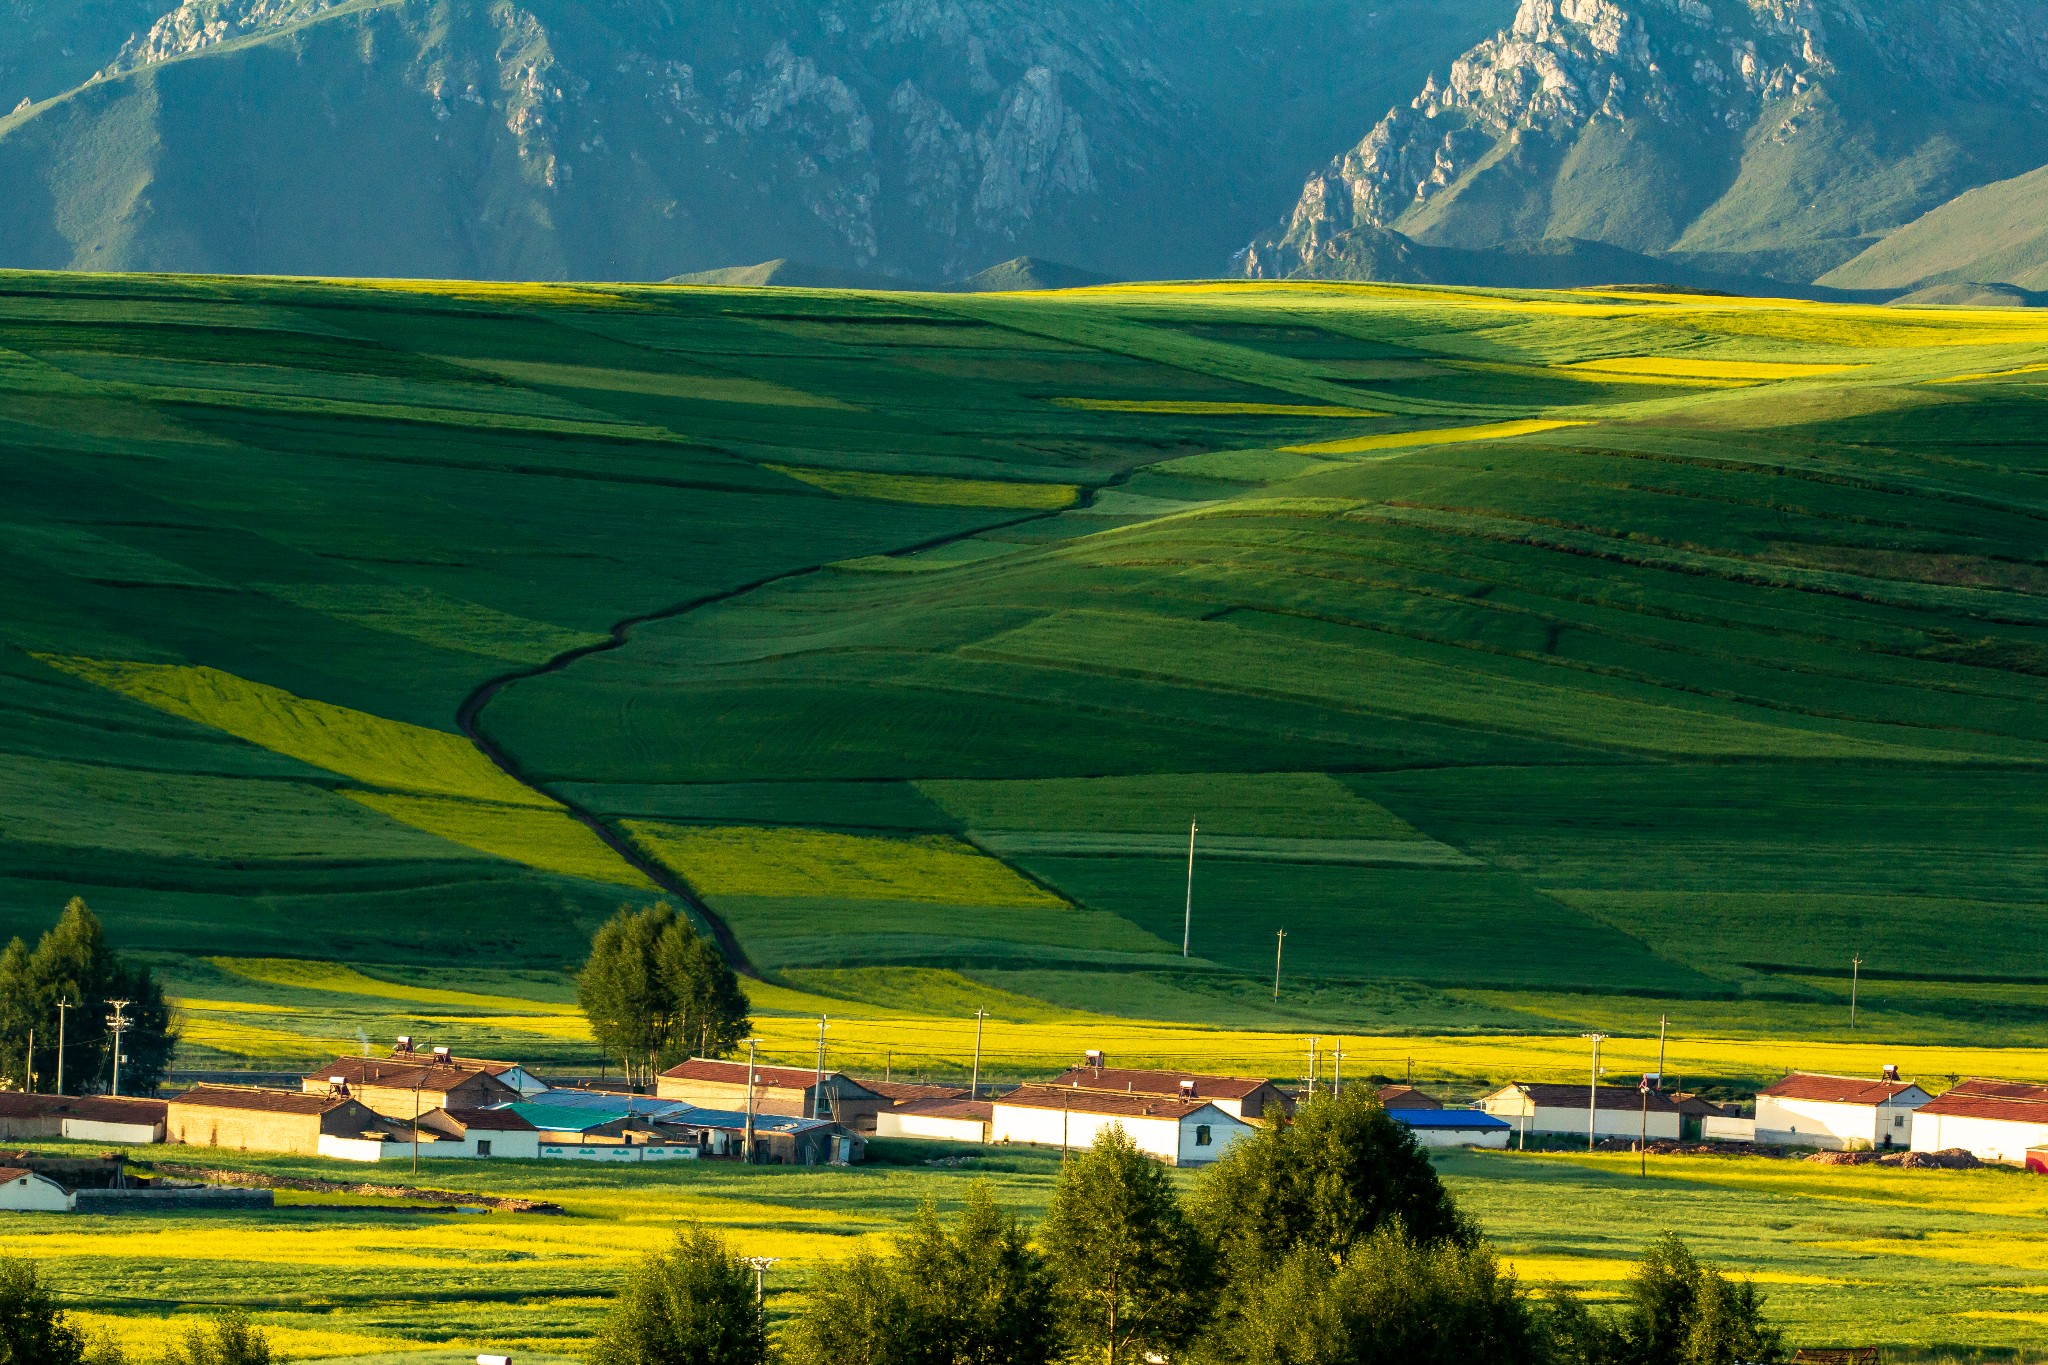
(1931, 1263)
(1537, 662)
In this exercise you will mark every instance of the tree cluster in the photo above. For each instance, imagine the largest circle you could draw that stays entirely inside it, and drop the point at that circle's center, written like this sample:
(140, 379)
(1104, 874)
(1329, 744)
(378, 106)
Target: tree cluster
(73, 964)
(35, 1330)
(1327, 1241)
(656, 991)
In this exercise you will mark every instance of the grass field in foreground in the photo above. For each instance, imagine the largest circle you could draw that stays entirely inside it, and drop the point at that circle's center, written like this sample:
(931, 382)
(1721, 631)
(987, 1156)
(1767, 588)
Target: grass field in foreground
(1916, 1260)
(1608, 655)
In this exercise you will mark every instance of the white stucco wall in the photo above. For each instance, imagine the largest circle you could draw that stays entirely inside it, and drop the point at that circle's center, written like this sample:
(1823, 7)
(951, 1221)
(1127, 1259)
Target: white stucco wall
(1514, 1109)
(35, 1194)
(1495, 1138)
(1820, 1123)
(932, 1127)
(84, 1130)
(2000, 1140)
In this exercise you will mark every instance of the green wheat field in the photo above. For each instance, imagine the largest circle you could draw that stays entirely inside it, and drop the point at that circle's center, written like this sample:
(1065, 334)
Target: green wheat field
(1537, 662)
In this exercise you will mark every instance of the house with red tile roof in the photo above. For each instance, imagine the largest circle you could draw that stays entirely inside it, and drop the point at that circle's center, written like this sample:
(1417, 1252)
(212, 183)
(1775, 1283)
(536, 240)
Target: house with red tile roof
(1809, 1109)
(1992, 1120)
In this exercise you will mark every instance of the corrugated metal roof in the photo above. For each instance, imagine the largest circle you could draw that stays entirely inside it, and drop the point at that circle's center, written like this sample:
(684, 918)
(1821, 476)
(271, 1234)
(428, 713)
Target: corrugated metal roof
(949, 1109)
(1130, 1082)
(1110, 1104)
(266, 1101)
(1608, 1097)
(1981, 1098)
(1823, 1089)
(1447, 1118)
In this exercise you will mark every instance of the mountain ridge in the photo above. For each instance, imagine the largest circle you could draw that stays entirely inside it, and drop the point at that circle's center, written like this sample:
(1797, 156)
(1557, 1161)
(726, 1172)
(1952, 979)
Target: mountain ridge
(1768, 132)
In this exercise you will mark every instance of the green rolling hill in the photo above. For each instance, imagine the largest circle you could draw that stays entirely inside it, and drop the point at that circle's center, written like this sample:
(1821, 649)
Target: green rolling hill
(1996, 235)
(1521, 655)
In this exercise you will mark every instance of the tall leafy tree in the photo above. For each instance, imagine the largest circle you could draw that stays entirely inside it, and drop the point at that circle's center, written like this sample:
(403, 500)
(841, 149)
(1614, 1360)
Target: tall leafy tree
(975, 1294)
(689, 1304)
(1326, 1182)
(1680, 1312)
(74, 965)
(656, 990)
(1131, 1274)
(34, 1328)
(1393, 1301)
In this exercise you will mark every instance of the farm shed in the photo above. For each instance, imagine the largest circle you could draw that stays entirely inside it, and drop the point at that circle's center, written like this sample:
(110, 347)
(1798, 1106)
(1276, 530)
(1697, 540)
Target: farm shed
(1177, 1132)
(940, 1120)
(482, 1133)
(1992, 1120)
(404, 1087)
(248, 1119)
(1811, 1110)
(791, 1090)
(83, 1118)
(1241, 1097)
(1442, 1127)
(24, 1191)
(1406, 1097)
(1560, 1111)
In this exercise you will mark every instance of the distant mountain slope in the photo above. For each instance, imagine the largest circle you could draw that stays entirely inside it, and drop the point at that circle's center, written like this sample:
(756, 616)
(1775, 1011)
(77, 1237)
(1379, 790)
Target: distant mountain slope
(634, 139)
(1028, 272)
(1780, 136)
(49, 46)
(785, 275)
(1994, 235)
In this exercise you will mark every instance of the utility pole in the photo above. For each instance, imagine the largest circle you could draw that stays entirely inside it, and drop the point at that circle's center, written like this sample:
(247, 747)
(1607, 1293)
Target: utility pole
(1643, 1136)
(1187, 923)
(1663, 1025)
(1855, 976)
(117, 1024)
(1313, 1066)
(1063, 1127)
(888, 1064)
(1593, 1090)
(974, 1085)
(817, 1092)
(747, 1141)
(760, 1265)
(1337, 1075)
(62, 1006)
(1279, 946)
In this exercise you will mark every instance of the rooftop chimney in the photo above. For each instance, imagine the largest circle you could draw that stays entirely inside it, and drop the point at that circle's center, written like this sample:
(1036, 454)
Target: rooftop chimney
(1187, 1090)
(1092, 1058)
(404, 1044)
(1891, 1073)
(440, 1054)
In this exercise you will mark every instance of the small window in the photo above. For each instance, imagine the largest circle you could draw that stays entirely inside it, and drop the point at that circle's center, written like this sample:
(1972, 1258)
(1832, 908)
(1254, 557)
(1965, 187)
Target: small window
(1201, 1135)
(1898, 1120)
(483, 1146)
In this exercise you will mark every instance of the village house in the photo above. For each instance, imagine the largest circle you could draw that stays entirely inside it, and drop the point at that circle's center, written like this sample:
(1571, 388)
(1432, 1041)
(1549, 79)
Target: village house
(937, 1119)
(81, 1118)
(252, 1120)
(712, 1084)
(1617, 1111)
(599, 1125)
(1997, 1121)
(1807, 1109)
(406, 1086)
(511, 1073)
(1176, 1131)
(1406, 1097)
(1441, 1127)
(1241, 1097)
(25, 1191)
(482, 1133)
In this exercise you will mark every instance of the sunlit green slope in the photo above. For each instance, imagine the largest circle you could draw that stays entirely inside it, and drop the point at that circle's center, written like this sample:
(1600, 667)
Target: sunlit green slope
(1506, 647)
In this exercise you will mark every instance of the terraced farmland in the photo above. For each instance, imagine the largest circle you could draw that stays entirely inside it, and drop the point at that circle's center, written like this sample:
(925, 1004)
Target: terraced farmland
(1532, 660)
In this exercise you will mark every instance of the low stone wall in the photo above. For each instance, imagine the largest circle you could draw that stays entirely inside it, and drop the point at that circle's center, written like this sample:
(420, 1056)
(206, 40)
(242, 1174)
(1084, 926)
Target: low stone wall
(149, 1201)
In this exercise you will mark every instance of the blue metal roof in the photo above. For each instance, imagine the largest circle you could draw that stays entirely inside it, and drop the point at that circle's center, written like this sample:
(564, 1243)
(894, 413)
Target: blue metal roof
(1447, 1118)
(578, 1111)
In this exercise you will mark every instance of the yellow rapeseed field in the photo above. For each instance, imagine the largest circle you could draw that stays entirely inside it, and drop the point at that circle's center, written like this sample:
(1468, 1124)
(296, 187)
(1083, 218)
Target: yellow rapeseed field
(551, 840)
(1191, 408)
(708, 388)
(1401, 440)
(1690, 367)
(332, 976)
(934, 491)
(750, 861)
